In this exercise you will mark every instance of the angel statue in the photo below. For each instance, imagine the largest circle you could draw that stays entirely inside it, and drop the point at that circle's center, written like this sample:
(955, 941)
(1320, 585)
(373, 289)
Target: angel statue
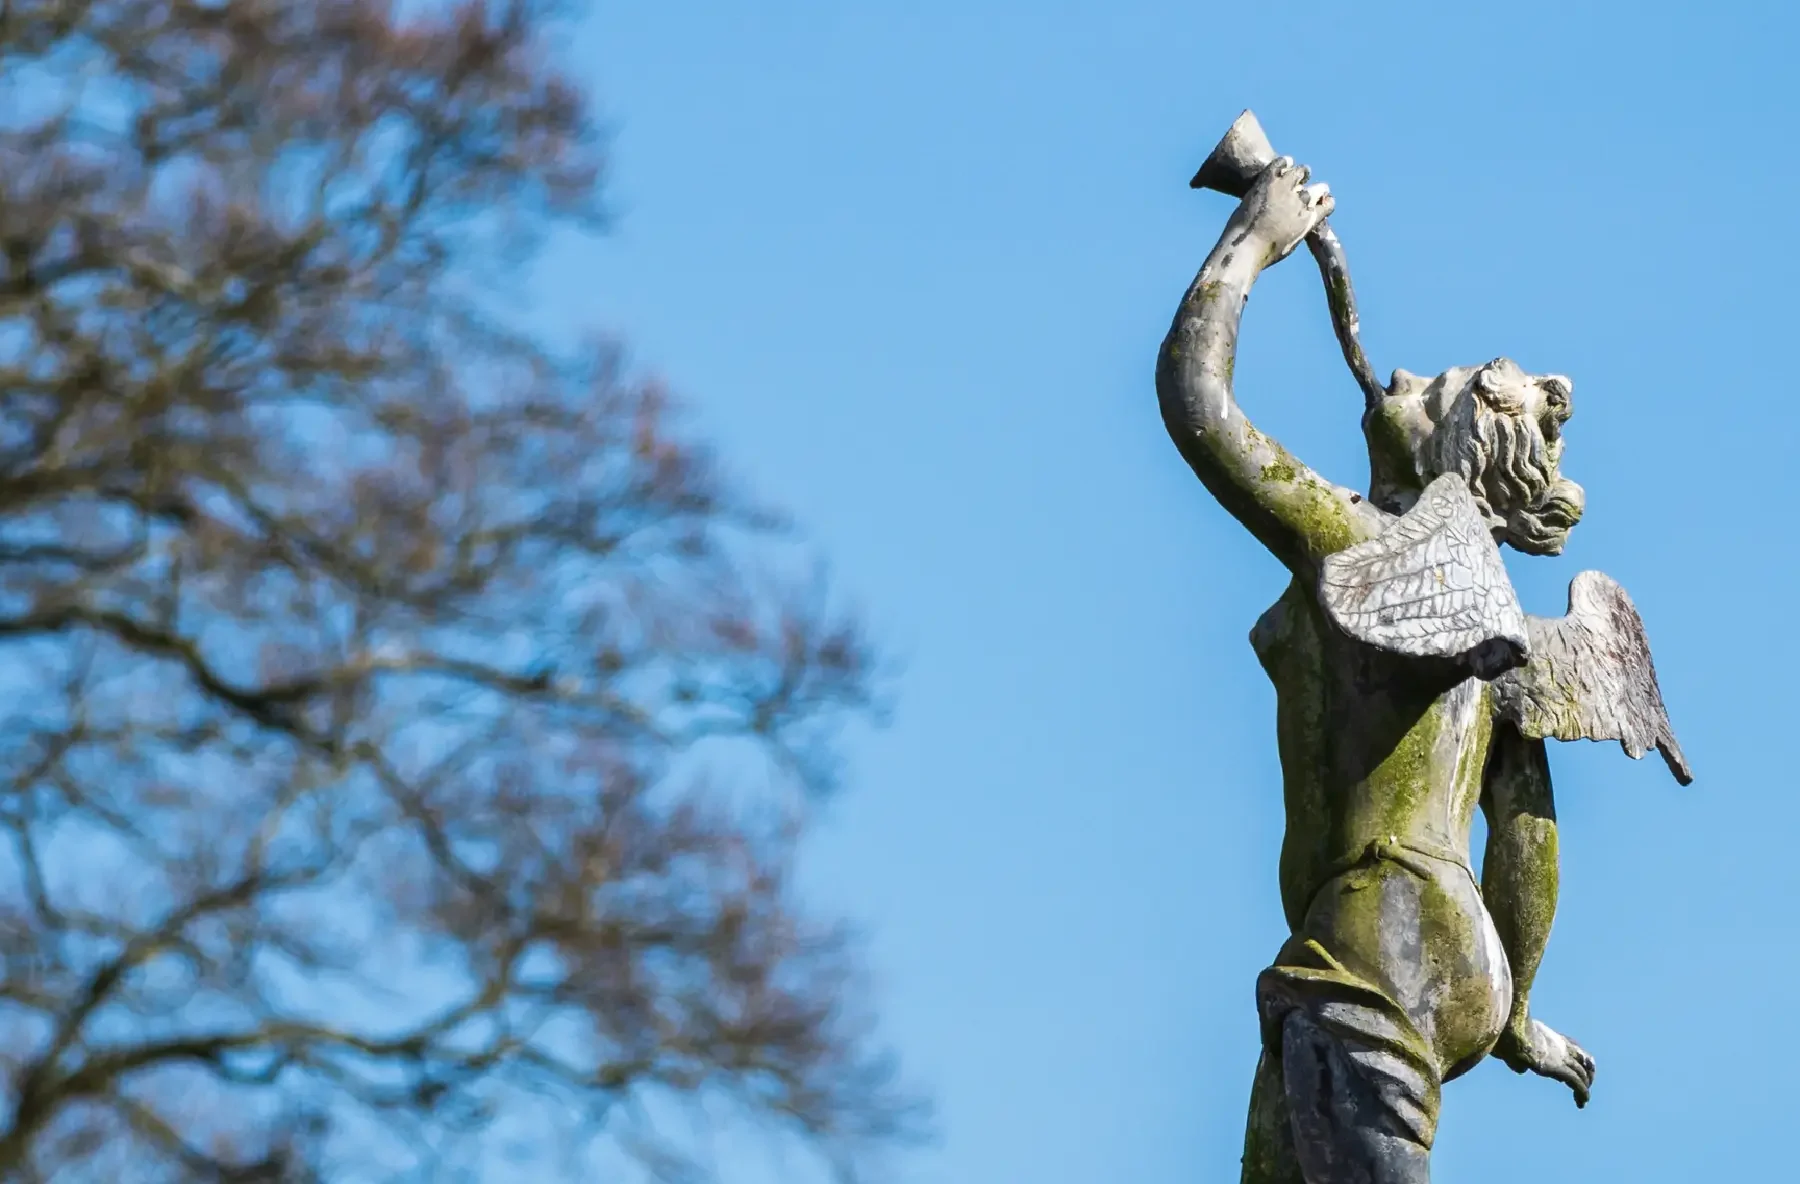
(1410, 686)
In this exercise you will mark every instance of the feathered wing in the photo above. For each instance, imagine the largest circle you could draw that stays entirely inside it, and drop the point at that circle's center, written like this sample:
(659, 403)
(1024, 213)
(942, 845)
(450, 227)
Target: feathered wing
(1432, 585)
(1590, 677)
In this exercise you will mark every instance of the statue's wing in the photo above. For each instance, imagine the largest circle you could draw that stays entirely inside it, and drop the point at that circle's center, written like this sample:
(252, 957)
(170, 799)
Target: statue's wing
(1432, 585)
(1590, 677)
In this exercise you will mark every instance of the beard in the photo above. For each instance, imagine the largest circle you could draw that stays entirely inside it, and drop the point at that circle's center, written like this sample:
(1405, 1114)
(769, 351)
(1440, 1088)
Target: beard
(1512, 471)
(1543, 528)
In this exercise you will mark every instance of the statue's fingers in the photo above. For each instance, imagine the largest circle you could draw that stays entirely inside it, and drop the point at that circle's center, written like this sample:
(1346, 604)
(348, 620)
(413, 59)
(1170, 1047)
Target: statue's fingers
(1576, 1077)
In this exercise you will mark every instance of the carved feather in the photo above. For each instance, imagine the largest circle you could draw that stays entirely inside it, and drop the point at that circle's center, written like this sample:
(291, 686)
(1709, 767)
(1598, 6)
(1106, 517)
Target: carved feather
(1432, 585)
(1590, 677)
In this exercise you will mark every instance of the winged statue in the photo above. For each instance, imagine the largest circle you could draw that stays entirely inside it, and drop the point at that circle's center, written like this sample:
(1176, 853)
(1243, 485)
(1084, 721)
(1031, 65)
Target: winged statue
(1411, 690)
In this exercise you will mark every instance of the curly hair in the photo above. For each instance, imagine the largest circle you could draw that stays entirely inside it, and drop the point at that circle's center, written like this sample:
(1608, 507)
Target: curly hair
(1484, 425)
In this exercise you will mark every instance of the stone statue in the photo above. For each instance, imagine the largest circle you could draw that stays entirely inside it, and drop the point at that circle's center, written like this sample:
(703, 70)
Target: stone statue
(1410, 687)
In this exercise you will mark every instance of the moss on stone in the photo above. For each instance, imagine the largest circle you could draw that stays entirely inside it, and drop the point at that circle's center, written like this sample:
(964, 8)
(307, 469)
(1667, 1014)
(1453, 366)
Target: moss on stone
(1325, 522)
(1309, 507)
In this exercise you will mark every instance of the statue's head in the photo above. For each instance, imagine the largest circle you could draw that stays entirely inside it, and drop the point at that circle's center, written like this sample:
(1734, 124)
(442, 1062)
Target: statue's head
(1499, 427)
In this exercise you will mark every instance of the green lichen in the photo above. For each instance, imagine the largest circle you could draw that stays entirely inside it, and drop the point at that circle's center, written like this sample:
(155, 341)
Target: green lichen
(1398, 789)
(1392, 466)
(1280, 469)
(1310, 508)
(1520, 873)
(1324, 520)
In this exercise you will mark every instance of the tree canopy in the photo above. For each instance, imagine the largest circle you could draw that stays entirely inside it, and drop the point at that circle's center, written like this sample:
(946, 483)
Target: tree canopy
(407, 731)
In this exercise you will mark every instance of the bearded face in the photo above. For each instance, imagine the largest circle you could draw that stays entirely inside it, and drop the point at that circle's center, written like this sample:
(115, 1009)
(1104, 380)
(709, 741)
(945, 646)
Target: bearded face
(1499, 427)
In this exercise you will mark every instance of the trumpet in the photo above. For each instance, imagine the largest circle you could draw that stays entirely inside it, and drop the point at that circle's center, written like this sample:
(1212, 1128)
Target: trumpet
(1242, 154)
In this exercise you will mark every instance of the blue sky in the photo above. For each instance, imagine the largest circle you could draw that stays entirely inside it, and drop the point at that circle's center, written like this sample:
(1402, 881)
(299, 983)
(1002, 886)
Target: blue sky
(910, 264)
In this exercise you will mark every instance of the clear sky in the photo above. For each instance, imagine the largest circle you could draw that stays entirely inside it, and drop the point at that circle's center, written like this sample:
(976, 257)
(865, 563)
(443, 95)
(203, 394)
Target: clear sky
(910, 262)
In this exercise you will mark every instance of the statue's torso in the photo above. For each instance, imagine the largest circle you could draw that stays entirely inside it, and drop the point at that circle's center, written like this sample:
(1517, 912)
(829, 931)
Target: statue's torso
(1375, 755)
(1371, 750)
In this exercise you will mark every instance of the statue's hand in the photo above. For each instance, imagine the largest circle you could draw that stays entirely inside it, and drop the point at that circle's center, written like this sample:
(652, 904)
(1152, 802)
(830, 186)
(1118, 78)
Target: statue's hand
(1543, 1050)
(1281, 208)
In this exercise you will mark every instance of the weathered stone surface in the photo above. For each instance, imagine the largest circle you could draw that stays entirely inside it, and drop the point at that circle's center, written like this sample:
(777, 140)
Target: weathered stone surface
(1591, 677)
(1432, 585)
(1410, 689)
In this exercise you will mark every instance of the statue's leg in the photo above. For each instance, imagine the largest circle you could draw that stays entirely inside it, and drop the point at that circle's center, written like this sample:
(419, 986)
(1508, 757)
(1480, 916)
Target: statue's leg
(1269, 1134)
(1360, 1082)
(1354, 1114)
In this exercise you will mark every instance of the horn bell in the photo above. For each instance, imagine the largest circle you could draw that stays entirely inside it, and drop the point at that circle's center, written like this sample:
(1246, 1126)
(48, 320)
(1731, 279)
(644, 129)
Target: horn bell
(1240, 156)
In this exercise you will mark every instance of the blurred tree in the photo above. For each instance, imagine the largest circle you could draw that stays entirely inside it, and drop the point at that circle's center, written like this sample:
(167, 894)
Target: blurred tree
(405, 734)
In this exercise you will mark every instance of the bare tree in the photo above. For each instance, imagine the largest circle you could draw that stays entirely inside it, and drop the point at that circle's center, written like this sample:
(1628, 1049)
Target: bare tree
(404, 732)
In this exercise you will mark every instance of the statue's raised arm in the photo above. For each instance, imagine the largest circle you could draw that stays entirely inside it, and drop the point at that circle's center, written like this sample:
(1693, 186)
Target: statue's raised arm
(1297, 514)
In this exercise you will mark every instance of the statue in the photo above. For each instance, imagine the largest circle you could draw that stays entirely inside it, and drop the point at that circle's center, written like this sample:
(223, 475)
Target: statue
(1410, 688)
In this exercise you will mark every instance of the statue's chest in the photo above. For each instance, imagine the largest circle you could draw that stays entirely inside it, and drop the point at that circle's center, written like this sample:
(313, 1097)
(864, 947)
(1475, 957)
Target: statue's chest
(1290, 638)
(1362, 712)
